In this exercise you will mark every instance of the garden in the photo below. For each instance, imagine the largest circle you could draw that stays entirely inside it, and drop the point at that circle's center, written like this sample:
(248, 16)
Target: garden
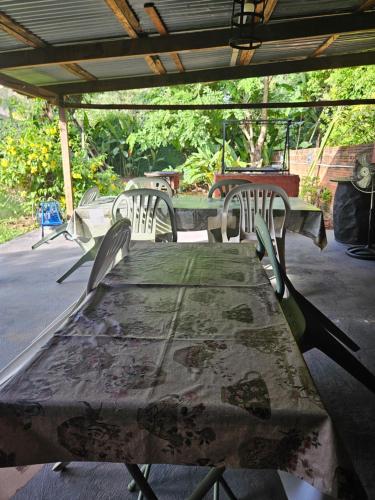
(109, 147)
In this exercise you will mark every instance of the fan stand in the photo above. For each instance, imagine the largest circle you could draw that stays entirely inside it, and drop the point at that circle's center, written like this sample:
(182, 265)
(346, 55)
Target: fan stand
(365, 252)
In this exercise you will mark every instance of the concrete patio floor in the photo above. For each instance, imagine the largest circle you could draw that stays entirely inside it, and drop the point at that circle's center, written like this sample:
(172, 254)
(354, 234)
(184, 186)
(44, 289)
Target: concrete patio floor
(343, 288)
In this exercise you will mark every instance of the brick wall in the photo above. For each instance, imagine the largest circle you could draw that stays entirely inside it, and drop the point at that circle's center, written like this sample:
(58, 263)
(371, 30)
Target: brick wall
(336, 162)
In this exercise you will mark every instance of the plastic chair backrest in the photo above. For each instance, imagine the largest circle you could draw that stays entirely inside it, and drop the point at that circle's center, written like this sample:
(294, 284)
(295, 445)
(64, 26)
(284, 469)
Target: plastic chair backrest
(226, 185)
(150, 183)
(114, 247)
(265, 245)
(89, 196)
(142, 208)
(253, 199)
(49, 213)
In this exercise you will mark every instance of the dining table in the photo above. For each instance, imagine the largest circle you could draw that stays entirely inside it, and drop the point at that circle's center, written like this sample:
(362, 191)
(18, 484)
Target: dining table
(181, 355)
(89, 223)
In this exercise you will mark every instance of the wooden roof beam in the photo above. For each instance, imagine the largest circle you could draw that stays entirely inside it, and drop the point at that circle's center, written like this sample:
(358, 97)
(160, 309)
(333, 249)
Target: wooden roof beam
(216, 74)
(366, 5)
(183, 42)
(27, 37)
(158, 22)
(131, 25)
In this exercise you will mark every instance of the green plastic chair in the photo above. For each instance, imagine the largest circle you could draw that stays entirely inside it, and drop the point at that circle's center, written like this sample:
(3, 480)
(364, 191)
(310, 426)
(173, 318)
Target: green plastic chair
(144, 209)
(226, 185)
(309, 326)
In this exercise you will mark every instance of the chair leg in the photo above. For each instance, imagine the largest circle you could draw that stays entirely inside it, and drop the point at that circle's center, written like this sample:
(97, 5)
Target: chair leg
(141, 481)
(326, 343)
(90, 255)
(51, 236)
(226, 488)
(132, 486)
(146, 473)
(216, 491)
(208, 482)
(60, 466)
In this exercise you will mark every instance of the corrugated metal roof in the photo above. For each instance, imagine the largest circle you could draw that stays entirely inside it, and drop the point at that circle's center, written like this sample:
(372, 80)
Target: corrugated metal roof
(8, 42)
(352, 42)
(43, 76)
(206, 59)
(182, 16)
(118, 68)
(71, 21)
(288, 49)
(59, 21)
(293, 8)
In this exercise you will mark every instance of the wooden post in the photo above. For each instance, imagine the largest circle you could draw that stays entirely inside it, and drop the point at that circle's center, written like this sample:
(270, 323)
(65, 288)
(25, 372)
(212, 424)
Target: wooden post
(66, 161)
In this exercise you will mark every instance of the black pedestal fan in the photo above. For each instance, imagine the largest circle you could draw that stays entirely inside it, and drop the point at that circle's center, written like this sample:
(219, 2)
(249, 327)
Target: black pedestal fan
(364, 181)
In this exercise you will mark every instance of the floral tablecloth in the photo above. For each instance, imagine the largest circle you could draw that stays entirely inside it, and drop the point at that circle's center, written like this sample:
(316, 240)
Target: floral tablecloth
(182, 356)
(196, 213)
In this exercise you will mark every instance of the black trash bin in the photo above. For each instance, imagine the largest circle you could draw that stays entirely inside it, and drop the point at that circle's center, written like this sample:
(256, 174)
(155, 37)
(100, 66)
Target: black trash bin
(350, 214)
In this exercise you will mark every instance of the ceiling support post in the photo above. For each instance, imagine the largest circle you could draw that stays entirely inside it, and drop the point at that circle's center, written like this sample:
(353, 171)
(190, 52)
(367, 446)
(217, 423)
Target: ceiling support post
(64, 140)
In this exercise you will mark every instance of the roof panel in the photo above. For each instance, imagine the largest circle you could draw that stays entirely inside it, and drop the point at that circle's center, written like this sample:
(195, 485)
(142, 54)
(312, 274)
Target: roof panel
(206, 59)
(57, 21)
(352, 42)
(118, 68)
(43, 76)
(288, 49)
(291, 8)
(181, 15)
(8, 42)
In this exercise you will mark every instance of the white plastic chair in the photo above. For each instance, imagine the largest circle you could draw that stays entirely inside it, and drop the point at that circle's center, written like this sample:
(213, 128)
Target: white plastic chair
(253, 199)
(150, 183)
(144, 209)
(89, 196)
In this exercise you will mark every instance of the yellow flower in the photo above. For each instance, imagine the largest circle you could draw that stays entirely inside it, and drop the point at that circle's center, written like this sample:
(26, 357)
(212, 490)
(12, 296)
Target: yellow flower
(4, 162)
(113, 186)
(12, 151)
(32, 156)
(46, 156)
(33, 170)
(23, 194)
(44, 164)
(9, 139)
(76, 175)
(44, 150)
(53, 164)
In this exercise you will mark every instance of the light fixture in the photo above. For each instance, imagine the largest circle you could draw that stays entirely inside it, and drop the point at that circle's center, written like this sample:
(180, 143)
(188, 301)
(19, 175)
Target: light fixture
(246, 14)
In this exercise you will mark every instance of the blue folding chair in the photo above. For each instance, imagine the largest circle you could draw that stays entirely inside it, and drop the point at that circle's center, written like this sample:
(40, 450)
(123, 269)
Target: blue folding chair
(49, 215)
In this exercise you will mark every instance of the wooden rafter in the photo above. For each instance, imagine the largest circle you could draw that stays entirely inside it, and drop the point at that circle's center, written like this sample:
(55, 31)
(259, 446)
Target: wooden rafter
(158, 22)
(366, 5)
(27, 88)
(183, 42)
(131, 25)
(215, 74)
(27, 37)
(269, 6)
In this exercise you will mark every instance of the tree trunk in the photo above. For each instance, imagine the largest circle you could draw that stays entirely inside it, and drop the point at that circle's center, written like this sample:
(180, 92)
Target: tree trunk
(255, 148)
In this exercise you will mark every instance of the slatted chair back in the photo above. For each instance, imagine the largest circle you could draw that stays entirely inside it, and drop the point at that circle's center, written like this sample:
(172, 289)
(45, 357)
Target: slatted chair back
(150, 183)
(253, 199)
(226, 185)
(114, 247)
(144, 209)
(89, 196)
(265, 246)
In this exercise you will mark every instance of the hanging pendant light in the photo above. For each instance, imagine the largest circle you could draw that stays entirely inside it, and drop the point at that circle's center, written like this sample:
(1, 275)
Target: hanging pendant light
(246, 14)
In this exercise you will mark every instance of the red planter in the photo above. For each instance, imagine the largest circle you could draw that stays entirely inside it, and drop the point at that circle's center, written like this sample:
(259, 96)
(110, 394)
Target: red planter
(289, 182)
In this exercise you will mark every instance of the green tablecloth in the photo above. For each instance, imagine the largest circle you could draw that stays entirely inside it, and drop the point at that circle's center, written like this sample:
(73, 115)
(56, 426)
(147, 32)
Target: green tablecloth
(195, 213)
(181, 356)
